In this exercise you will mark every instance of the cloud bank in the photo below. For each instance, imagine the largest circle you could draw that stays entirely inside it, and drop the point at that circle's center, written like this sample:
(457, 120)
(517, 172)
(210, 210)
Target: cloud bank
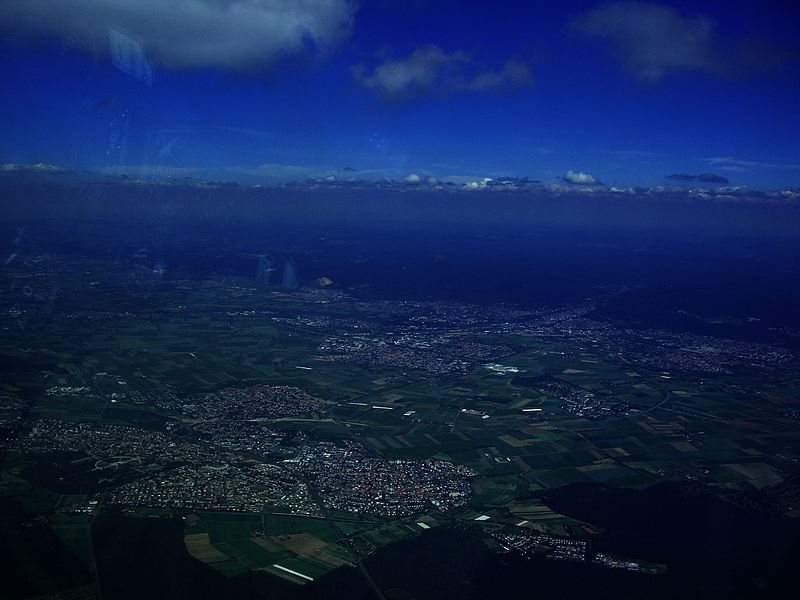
(431, 71)
(735, 164)
(33, 168)
(702, 178)
(230, 34)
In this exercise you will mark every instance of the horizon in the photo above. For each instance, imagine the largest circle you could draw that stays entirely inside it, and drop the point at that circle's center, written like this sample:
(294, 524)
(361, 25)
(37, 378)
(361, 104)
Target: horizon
(630, 94)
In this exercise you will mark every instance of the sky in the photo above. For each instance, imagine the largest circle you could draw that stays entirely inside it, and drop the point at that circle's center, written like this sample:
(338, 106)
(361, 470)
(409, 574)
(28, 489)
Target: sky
(267, 91)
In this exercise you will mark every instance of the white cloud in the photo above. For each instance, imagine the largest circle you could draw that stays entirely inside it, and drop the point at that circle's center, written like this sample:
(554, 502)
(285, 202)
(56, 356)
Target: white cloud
(413, 178)
(482, 184)
(236, 34)
(431, 71)
(653, 40)
(421, 71)
(579, 178)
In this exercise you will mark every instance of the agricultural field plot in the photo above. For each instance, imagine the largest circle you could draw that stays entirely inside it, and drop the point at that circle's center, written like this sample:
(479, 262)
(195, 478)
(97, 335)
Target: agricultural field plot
(200, 547)
(234, 544)
(525, 422)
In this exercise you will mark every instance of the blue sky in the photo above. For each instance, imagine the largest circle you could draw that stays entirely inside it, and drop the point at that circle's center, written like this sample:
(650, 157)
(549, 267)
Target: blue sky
(277, 90)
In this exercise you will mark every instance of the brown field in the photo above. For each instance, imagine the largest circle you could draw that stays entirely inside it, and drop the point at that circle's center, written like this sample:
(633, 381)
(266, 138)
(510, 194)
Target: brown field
(616, 451)
(684, 446)
(330, 559)
(268, 545)
(512, 441)
(606, 464)
(403, 441)
(304, 544)
(759, 475)
(375, 443)
(307, 546)
(199, 546)
(533, 512)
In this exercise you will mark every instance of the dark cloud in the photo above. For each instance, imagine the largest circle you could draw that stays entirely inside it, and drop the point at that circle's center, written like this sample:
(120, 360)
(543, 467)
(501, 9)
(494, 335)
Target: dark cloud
(235, 34)
(431, 71)
(712, 178)
(702, 178)
(654, 40)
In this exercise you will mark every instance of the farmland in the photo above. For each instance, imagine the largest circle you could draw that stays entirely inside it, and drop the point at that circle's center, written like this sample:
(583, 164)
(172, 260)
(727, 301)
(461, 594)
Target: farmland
(268, 452)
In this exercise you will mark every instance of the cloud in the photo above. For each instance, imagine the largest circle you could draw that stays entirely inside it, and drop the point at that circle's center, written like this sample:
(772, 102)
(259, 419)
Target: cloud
(731, 163)
(283, 172)
(482, 184)
(702, 178)
(33, 168)
(231, 34)
(431, 71)
(712, 178)
(653, 40)
(580, 178)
